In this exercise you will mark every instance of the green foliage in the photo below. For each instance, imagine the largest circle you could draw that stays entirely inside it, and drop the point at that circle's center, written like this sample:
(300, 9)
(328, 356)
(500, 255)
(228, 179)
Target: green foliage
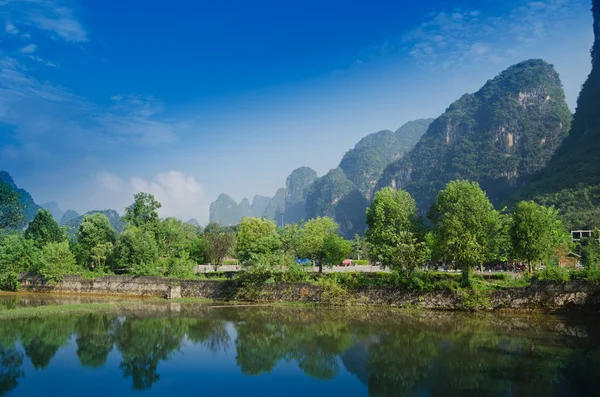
(336, 249)
(11, 208)
(553, 273)
(535, 231)
(18, 254)
(56, 260)
(95, 241)
(256, 237)
(219, 244)
(43, 229)
(393, 230)
(590, 252)
(312, 239)
(465, 226)
(289, 236)
(136, 251)
(143, 211)
(332, 292)
(9, 281)
(198, 250)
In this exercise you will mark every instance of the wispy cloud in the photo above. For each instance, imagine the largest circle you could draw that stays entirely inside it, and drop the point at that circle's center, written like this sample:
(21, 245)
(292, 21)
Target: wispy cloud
(55, 17)
(52, 116)
(28, 49)
(466, 36)
(11, 29)
(181, 195)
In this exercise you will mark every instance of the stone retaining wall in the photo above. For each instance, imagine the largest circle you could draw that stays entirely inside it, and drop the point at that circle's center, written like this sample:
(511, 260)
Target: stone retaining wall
(545, 296)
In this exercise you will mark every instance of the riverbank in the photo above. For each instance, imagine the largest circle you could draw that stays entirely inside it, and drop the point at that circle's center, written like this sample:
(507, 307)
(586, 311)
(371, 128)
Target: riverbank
(541, 296)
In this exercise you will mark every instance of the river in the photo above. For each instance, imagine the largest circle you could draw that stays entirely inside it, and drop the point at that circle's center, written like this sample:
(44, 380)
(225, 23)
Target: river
(181, 349)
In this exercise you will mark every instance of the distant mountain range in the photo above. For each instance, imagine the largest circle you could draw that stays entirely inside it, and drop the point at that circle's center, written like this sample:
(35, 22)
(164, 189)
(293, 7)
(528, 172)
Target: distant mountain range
(501, 136)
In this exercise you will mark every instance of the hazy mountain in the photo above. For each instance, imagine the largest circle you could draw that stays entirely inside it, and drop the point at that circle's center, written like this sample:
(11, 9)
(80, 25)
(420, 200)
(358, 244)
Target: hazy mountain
(296, 190)
(259, 205)
(276, 207)
(571, 180)
(113, 216)
(68, 216)
(30, 207)
(500, 136)
(55, 210)
(193, 222)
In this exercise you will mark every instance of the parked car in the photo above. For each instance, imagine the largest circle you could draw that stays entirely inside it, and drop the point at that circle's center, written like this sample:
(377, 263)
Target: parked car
(347, 262)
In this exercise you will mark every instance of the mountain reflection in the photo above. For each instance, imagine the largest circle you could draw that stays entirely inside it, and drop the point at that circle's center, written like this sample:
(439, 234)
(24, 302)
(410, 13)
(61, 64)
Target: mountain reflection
(392, 355)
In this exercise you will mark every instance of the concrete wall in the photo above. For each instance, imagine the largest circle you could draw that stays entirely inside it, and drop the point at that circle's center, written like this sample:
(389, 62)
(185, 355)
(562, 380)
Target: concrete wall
(544, 296)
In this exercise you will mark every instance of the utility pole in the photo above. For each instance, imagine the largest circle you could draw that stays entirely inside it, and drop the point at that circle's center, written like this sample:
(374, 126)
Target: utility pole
(282, 224)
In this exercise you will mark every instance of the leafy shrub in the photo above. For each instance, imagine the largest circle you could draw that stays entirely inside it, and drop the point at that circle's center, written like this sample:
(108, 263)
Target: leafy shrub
(9, 282)
(230, 262)
(332, 292)
(56, 261)
(553, 273)
(360, 262)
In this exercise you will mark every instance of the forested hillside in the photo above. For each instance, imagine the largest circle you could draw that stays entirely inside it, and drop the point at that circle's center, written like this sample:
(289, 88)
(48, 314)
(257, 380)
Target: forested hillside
(500, 136)
(571, 181)
(364, 164)
(30, 208)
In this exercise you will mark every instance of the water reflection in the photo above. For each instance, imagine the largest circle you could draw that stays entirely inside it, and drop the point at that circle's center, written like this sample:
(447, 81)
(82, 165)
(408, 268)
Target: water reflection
(391, 354)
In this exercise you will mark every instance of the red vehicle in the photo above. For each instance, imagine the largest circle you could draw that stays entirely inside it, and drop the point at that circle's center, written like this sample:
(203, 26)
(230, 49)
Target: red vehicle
(347, 262)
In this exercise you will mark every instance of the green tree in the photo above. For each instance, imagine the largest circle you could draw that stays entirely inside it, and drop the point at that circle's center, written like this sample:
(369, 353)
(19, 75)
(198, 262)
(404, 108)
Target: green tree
(56, 261)
(312, 239)
(465, 225)
(43, 229)
(143, 212)
(535, 231)
(198, 249)
(255, 238)
(95, 241)
(289, 236)
(219, 244)
(336, 249)
(394, 231)
(11, 208)
(136, 251)
(358, 245)
(590, 251)
(18, 254)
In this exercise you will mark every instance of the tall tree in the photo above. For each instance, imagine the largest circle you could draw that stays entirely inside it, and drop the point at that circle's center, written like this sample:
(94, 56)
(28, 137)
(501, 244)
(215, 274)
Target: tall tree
(312, 239)
(533, 232)
(465, 225)
(336, 249)
(95, 238)
(394, 230)
(219, 244)
(11, 208)
(136, 251)
(256, 237)
(143, 212)
(43, 229)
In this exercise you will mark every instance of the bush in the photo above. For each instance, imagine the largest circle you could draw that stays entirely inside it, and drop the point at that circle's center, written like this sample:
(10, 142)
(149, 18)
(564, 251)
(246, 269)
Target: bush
(360, 262)
(9, 282)
(56, 261)
(553, 273)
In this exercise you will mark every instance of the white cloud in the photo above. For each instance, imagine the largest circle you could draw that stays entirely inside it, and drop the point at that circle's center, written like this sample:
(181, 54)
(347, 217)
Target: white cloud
(181, 195)
(11, 29)
(28, 49)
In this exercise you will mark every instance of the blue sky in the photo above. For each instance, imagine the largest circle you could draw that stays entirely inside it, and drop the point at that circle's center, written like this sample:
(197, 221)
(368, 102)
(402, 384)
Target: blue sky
(188, 99)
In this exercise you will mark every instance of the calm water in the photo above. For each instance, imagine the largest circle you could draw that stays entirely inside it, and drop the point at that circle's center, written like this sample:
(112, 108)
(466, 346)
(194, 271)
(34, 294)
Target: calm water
(181, 350)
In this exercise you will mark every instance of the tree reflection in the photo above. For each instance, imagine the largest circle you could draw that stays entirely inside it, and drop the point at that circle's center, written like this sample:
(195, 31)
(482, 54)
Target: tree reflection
(10, 369)
(143, 343)
(95, 335)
